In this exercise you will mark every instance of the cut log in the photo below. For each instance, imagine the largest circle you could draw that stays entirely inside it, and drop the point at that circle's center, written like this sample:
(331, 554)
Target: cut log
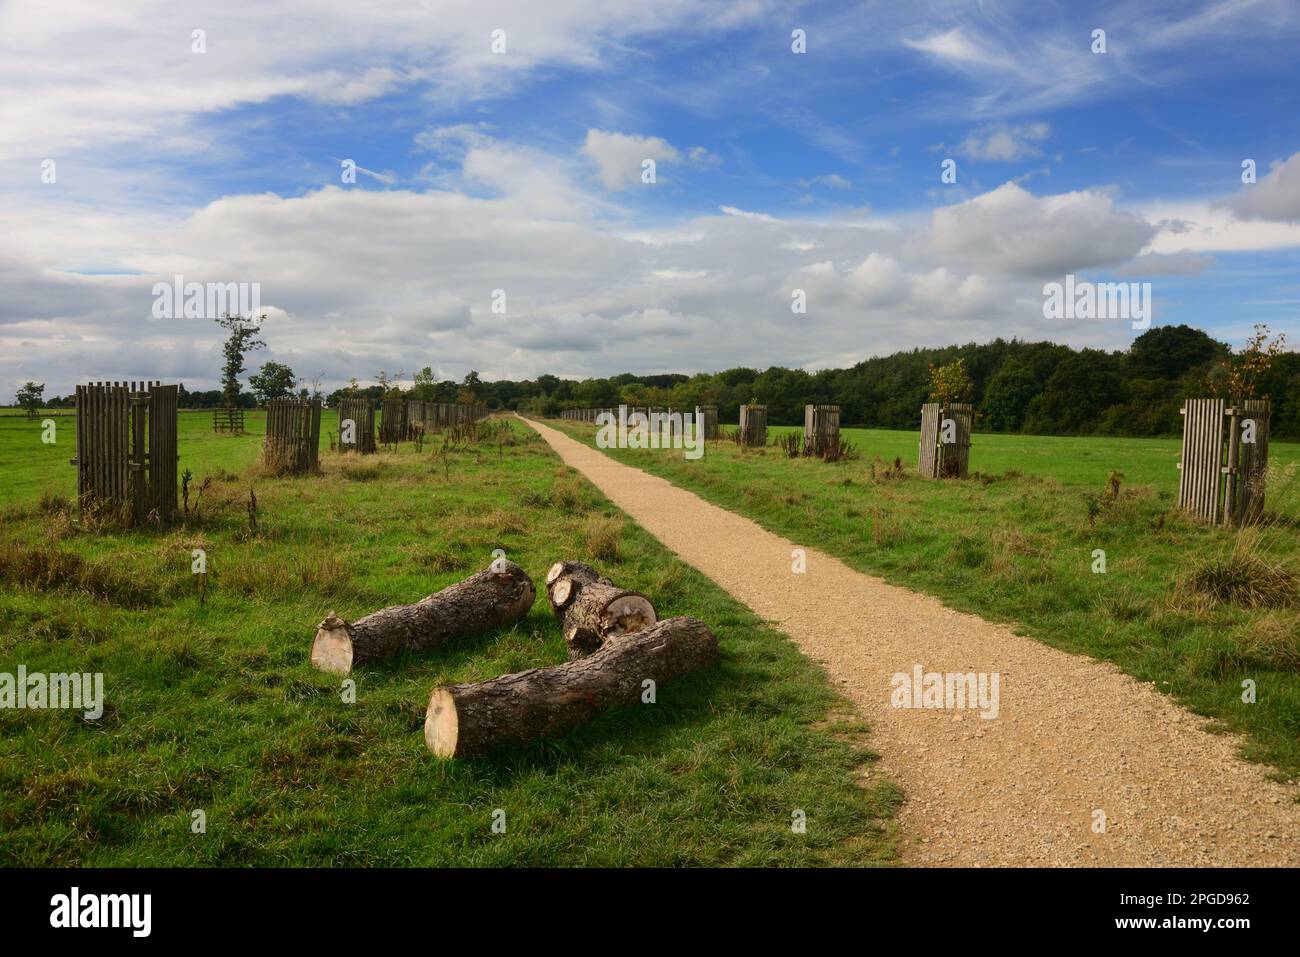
(496, 597)
(563, 582)
(608, 610)
(543, 702)
(600, 611)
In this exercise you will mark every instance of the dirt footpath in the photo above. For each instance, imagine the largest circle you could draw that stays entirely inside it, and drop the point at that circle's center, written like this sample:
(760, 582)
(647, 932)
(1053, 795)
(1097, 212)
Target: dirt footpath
(1073, 740)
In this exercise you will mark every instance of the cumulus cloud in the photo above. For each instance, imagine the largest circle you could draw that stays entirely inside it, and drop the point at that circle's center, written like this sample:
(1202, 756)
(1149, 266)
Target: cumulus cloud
(1011, 231)
(1275, 198)
(619, 156)
(362, 280)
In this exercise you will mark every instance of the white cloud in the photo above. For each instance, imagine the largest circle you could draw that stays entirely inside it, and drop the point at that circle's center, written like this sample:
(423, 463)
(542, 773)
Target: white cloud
(701, 158)
(1275, 198)
(1166, 264)
(1011, 231)
(78, 74)
(619, 156)
(1211, 227)
(1027, 57)
(878, 281)
(832, 180)
(1004, 144)
(956, 46)
(362, 280)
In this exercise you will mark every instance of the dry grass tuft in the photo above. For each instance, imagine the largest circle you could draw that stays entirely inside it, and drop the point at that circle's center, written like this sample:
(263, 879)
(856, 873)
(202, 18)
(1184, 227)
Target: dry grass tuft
(603, 537)
(1246, 577)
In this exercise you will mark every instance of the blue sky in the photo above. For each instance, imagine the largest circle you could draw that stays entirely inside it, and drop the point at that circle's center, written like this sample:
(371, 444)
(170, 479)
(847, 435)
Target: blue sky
(520, 171)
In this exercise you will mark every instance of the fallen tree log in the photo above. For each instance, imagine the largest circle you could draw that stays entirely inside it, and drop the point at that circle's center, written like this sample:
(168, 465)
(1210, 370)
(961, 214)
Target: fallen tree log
(591, 608)
(543, 702)
(563, 582)
(496, 597)
(600, 611)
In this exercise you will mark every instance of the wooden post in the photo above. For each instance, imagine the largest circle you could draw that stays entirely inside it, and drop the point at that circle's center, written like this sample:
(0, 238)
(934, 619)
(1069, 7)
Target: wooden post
(1230, 468)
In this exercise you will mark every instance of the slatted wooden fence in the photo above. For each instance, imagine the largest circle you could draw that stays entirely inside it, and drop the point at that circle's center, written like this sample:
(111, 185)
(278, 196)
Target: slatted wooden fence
(126, 448)
(753, 425)
(360, 436)
(292, 443)
(393, 426)
(945, 440)
(1224, 460)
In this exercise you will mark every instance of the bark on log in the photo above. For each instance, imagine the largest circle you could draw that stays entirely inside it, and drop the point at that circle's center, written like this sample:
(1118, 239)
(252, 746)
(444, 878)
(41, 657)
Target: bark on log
(563, 582)
(600, 611)
(607, 610)
(496, 597)
(543, 702)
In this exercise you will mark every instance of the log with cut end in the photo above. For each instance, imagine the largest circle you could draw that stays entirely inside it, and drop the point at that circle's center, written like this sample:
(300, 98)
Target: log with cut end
(543, 702)
(563, 582)
(600, 611)
(496, 597)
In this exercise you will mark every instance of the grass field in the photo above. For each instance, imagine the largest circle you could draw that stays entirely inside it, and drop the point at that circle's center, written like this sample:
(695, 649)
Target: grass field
(213, 706)
(1193, 609)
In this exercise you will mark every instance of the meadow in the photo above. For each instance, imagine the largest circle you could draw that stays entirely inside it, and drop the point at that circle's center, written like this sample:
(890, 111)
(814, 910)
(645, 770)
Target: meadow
(212, 706)
(1195, 610)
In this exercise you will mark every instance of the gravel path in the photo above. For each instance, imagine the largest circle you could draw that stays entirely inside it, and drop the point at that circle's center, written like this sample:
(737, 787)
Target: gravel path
(1073, 738)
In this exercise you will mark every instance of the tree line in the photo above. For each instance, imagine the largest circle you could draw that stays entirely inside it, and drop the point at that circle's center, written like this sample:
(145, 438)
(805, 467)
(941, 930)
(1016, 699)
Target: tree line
(1039, 388)
(1031, 387)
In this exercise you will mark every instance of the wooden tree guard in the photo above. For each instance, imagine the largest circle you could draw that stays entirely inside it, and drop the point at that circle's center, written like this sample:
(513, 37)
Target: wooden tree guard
(432, 416)
(126, 447)
(1224, 460)
(709, 419)
(392, 421)
(937, 458)
(292, 435)
(228, 420)
(821, 428)
(753, 425)
(361, 412)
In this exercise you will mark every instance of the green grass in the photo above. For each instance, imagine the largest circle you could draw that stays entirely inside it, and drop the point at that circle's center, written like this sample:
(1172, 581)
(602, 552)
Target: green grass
(215, 707)
(1193, 609)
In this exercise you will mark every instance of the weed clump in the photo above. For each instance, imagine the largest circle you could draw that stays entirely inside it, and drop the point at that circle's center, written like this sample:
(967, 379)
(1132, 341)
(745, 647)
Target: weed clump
(48, 569)
(603, 538)
(1272, 641)
(1246, 577)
